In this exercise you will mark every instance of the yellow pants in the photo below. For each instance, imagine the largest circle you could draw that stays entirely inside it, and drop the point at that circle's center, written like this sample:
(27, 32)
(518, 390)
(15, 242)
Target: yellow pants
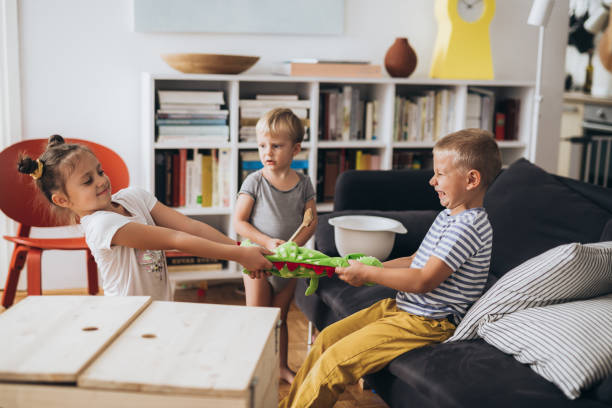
(360, 344)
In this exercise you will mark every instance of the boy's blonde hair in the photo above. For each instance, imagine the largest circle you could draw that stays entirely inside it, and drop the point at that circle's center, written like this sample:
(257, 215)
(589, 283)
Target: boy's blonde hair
(475, 149)
(281, 121)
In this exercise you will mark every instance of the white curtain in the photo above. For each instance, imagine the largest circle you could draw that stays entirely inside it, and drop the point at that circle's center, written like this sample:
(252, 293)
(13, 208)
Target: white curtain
(10, 107)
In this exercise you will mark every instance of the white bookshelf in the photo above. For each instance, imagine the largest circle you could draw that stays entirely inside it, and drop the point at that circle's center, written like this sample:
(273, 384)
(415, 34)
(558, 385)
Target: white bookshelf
(384, 90)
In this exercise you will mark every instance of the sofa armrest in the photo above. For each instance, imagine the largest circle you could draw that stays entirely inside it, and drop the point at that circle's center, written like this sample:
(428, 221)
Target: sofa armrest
(385, 190)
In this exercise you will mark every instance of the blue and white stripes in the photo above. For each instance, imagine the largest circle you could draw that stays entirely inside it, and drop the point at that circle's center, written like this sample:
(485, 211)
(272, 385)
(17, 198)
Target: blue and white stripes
(463, 242)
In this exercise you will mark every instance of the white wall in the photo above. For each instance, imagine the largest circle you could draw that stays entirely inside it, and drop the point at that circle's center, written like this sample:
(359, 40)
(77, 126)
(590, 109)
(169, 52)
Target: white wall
(81, 65)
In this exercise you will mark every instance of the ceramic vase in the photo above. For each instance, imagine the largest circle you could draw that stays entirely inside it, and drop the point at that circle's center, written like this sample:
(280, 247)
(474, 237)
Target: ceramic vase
(400, 59)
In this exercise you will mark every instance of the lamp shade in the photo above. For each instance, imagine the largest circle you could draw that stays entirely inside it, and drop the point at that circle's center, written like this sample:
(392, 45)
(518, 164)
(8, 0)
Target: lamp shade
(540, 12)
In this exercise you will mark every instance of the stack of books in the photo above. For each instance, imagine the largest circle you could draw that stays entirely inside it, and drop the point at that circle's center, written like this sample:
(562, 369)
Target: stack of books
(251, 110)
(191, 117)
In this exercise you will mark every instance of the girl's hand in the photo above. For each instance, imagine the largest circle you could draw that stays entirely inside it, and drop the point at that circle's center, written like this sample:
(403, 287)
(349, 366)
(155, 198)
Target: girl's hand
(272, 243)
(252, 258)
(354, 274)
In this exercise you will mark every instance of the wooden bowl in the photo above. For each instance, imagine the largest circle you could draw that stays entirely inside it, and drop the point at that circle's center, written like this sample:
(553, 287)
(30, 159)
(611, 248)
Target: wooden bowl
(210, 63)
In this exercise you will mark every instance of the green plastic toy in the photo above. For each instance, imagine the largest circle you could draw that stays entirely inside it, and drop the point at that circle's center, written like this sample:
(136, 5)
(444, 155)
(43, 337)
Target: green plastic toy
(293, 261)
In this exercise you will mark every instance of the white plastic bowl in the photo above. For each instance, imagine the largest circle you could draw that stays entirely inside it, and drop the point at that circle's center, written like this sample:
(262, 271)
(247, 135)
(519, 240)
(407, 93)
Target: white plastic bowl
(366, 234)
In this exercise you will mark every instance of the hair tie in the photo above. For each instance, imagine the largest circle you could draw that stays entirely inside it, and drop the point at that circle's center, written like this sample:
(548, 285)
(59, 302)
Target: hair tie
(36, 174)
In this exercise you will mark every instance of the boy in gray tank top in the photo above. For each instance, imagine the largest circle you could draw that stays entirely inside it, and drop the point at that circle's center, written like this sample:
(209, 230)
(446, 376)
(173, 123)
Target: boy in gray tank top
(270, 208)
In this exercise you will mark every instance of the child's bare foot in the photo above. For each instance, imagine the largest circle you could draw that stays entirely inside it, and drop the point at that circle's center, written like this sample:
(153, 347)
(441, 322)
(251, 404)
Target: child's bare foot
(287, 375)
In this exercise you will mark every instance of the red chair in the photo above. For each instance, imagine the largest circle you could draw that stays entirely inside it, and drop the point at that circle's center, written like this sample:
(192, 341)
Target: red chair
(21, 201)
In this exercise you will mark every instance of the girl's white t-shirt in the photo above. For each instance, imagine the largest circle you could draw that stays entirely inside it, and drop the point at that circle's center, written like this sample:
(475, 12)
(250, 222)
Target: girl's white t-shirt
(127, 271)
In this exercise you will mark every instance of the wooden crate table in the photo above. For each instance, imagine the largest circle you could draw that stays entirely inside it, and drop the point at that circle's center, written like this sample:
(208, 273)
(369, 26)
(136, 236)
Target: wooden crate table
(95, 351)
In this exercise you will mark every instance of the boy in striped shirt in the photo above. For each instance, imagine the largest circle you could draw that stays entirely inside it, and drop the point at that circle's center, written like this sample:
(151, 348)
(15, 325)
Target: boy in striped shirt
(435, 286)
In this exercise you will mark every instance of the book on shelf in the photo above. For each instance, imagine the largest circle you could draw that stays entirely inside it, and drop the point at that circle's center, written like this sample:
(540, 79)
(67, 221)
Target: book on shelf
(277, 97)
(208, 114)
(195, 267)
(271, 104)
(256, 113)
(331, 69)
(189, 108)
(191, 121)
(217, 130)
(486, 107)
(207, 177)
(194, 139)
(500, 126)
(191, 97)
(183, 258)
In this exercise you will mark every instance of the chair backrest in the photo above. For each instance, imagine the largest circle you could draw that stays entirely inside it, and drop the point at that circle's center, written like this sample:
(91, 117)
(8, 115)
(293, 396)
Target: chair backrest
(21, 201)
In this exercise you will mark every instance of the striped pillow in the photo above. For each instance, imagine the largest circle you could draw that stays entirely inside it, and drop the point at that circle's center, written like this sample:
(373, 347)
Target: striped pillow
(568, 344)
(567, 272)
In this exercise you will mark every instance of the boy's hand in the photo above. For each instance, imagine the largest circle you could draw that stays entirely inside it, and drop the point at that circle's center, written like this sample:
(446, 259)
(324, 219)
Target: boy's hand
(354, 274)
(273, 243)
(253, 260)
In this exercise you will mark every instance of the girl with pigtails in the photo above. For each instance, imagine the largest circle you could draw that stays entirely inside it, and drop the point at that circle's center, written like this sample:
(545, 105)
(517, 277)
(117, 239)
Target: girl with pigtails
(128, 231)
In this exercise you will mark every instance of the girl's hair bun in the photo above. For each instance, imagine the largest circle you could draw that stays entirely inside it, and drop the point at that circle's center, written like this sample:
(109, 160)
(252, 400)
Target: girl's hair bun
(27, 165)
(55, 140)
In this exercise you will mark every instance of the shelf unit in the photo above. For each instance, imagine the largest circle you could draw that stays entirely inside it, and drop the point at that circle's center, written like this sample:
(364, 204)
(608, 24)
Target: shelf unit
(384, 90)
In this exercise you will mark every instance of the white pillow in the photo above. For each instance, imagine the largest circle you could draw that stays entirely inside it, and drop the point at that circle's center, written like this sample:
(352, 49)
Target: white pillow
(567, 272)
(569, 344)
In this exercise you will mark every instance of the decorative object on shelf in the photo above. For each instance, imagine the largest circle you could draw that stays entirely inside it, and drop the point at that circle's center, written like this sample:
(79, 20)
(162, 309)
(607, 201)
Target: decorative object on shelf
(210, 63)
(463, 45)
(400, 59)
(293, 261)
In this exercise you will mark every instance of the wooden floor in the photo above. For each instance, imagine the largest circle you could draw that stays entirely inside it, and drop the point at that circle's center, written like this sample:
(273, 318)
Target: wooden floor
(231, 293)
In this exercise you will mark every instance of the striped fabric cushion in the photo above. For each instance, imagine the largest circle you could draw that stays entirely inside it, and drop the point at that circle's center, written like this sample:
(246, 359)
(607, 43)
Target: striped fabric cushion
(565, 273)
(569, 344)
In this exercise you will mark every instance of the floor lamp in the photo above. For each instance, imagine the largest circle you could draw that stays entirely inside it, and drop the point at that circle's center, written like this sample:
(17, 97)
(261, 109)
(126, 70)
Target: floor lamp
(539, 15)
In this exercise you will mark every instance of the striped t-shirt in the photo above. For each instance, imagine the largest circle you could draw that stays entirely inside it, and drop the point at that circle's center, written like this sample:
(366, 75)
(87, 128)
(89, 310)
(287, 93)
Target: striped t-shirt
(463, 242)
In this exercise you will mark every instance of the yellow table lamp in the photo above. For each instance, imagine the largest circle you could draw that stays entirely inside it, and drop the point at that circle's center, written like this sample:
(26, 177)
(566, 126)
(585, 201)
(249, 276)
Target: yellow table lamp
(463, 46)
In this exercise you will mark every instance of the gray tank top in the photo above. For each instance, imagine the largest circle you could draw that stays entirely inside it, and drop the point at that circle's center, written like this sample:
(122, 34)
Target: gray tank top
(277, 213)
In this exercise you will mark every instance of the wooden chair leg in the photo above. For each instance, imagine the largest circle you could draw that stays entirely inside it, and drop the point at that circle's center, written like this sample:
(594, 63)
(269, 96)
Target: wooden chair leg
(34, 276)
(92, 274)
(18, 259)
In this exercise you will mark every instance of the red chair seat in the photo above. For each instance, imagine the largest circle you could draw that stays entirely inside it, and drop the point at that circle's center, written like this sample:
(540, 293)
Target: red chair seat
(68, 244)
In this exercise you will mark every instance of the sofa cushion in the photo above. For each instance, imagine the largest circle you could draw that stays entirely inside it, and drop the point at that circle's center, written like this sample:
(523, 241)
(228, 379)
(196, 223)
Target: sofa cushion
(416, 222)
(565, 273)
(472, 374)
(532, 211)
(568, 344)
(390, 190)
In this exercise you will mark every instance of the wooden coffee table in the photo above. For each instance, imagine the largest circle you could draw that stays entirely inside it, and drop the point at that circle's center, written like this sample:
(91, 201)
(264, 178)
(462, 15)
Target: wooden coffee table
(95, 351)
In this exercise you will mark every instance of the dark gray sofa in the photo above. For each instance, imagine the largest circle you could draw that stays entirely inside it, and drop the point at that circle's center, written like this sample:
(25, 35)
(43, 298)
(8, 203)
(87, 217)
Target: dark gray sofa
(531, 211)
